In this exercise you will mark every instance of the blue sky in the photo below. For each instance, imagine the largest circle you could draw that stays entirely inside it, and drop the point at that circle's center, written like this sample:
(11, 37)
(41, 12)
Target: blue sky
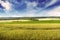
(29, 8)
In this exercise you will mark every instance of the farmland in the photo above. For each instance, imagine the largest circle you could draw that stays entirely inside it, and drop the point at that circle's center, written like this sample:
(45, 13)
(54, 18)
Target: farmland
(30, 30)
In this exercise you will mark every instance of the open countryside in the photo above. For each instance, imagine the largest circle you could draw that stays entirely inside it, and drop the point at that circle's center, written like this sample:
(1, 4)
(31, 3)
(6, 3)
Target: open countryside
(30, 30)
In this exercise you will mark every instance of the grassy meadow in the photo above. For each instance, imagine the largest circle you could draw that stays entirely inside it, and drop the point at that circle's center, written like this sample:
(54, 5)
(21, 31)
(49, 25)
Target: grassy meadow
(30, 30)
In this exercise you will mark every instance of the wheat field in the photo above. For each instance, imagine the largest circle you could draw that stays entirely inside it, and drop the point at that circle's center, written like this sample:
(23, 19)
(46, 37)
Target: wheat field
(29, 31)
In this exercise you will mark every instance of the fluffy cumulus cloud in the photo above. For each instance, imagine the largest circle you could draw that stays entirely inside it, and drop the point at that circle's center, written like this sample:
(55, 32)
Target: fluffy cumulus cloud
(28, 8)
(6, 5)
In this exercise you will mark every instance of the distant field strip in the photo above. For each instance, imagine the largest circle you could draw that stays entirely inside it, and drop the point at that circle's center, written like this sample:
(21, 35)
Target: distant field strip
(49, 19)
(12, 20)
(28, 21)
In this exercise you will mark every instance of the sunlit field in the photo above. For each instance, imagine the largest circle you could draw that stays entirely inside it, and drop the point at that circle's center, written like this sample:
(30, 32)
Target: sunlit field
(30, 30)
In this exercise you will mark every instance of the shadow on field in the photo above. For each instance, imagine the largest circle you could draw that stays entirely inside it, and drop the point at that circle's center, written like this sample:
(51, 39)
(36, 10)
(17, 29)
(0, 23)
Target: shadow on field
(23, 28)
(42, 28)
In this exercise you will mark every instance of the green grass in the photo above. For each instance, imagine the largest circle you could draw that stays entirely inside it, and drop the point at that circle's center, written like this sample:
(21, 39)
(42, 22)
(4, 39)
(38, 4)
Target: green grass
(31, 22)
(42, 21)
(31, 30)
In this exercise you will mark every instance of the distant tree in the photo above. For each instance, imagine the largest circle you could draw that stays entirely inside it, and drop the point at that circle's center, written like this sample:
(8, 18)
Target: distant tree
(34, 19)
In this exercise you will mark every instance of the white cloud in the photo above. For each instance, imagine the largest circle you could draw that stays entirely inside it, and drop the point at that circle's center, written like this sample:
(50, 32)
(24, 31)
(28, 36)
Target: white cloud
(6, 5)
(31, 4)
(51, 3)
(54, 12)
